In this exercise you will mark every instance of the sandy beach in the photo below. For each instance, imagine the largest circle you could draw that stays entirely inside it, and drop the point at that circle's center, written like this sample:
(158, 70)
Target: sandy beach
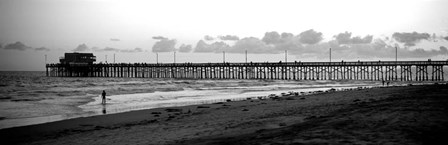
(392, 115)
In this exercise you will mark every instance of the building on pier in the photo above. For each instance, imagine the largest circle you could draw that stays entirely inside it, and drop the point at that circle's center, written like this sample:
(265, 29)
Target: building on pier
(78, 58)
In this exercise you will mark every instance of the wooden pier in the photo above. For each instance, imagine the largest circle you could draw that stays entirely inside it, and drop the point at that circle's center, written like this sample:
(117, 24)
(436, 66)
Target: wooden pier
(359, 70)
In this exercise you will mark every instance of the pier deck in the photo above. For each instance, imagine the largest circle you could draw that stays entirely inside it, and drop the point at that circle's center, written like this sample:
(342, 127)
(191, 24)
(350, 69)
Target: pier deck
(358, 70)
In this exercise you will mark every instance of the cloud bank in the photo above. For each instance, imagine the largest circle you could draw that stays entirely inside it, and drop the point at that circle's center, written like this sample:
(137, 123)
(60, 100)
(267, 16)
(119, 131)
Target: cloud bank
(410, 39)
(310, 43)
(17, 46)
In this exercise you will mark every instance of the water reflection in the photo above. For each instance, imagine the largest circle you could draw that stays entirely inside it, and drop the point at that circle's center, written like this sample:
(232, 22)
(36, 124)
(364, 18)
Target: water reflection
(104, 109)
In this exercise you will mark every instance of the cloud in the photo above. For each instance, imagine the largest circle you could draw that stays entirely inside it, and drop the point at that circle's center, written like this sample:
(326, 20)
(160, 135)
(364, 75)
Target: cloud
(185, 48)
(81, 47)
(380, 48)
(164, 45)
(42, 49)
(252, 45)
(208, 38)
(114, 39)
(201, 46)
(17, 46)
(446, 37)
(346, 38)
(421, 53)
(133, 50)
(105, 49)
(111, 49)
(410, 39)
(443, 49)
(310, 44)
(159, 37)
(219, 46)
(310, 37)
(216, 47)
(271, 37)
(96, 49)
(229, 37)
(138, 49)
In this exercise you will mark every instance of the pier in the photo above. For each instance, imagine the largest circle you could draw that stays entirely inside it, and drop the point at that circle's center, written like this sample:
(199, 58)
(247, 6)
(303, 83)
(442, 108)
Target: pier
(359, 70)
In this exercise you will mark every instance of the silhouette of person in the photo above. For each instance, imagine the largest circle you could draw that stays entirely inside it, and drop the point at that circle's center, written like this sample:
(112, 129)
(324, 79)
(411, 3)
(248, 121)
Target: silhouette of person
(103, 96)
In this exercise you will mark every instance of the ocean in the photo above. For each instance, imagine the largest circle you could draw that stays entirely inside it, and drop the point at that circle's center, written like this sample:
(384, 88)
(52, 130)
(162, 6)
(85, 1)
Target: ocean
(28, 98)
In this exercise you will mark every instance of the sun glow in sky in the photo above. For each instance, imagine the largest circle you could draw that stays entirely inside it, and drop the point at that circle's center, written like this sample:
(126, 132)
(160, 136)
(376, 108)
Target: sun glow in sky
(59, 26)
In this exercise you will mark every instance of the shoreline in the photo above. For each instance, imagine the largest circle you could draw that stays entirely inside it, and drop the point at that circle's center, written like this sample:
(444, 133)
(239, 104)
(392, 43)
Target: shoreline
(189, 124)
(9, 123)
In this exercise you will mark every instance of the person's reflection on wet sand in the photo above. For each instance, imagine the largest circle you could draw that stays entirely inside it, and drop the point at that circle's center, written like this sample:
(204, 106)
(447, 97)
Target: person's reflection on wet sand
(104, 109)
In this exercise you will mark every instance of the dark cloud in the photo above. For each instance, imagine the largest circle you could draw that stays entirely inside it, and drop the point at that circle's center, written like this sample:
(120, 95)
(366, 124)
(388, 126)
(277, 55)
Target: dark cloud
(252, 45)
(164, 45)
(132, 50)
(271, 37)
(81, 47)
(201, 46)
(277, 43)
(443, 49)
(446, 37)
(159, 37)
(185, 48)
(216, 47)
(359, 40)
(138, 49)
(310, 37)
(410, 39)
(114, 39)
(17, 46)
(229, 37)
(42, 49)
(220, 46)
(346, 38)
(208, 38)
(105, 49)
(110, 49)
(286, 36)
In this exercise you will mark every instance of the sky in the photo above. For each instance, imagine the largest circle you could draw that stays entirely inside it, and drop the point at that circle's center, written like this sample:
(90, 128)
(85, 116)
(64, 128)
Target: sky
(202, 30)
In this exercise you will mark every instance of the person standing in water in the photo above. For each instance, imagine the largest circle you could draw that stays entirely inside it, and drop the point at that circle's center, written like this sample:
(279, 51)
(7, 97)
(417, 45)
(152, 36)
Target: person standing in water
(103, 96)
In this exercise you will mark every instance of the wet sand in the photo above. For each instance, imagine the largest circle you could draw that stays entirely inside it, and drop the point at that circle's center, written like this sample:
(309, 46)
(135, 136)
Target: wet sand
(393, 115)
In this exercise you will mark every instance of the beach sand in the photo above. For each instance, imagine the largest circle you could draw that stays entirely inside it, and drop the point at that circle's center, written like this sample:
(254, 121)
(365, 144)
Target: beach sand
(392, 115)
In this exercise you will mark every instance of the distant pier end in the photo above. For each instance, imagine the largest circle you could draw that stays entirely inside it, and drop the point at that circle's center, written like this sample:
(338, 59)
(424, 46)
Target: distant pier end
(81, 65)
